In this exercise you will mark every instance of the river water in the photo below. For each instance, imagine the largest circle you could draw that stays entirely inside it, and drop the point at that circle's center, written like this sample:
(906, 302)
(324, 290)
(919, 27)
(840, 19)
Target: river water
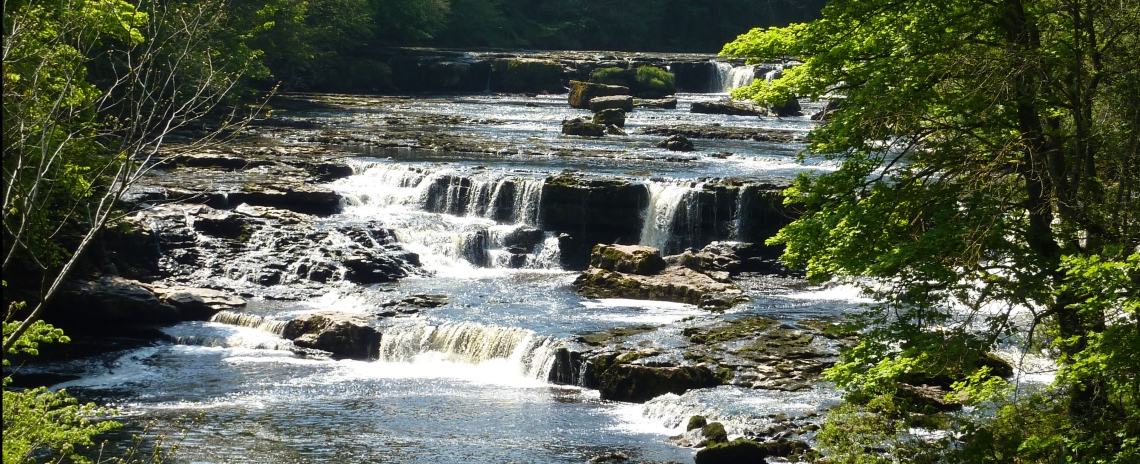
(465, 382)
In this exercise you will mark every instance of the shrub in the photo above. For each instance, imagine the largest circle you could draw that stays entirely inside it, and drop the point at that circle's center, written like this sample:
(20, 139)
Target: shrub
(656, 81)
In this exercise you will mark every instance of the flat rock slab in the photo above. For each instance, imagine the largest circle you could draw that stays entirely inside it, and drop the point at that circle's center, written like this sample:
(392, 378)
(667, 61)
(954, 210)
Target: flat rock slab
(677, 284)
(633, 259)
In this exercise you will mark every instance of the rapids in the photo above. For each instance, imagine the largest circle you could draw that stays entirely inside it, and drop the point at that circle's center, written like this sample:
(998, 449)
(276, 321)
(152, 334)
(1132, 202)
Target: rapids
(468, 381)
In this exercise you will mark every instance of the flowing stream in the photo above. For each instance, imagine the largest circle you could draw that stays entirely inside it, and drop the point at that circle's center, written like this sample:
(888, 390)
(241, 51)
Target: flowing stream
(467, 381)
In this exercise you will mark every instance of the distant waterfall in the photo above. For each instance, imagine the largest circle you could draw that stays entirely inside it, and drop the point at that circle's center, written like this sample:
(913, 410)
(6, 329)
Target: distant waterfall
(673, 214)
(249, 320)
(729, 77)
(470, 343)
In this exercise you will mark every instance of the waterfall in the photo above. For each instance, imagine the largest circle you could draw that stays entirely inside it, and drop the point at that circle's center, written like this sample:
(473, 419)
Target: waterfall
(528, 197)
(740, 76)
(722, 81)
(672, 219)
(232, 330)
(249, 320)
(470, 343)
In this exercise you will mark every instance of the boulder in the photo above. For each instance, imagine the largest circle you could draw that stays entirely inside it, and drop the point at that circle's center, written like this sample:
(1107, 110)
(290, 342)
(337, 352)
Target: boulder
(739, 451)
(614, 116)
(580, 127)
(582, 92)
(614, 130)
(111, 301)
(196, 303)
(789, 108)
(586, 211)
(696, 422)
(370, 267)
(660, 103)
(344, 335)
(729, 107)
(676, 143)
(714, 433)
(638, 384)
(676, 284)
(622, 102)
(633, 259)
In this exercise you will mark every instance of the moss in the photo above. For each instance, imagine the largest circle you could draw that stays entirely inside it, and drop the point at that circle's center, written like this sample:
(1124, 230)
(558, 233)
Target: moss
(651, 80)
(696, 422)
(715, 433)
(612, 76)
(611, 335)
(725, 374)
(733, 330)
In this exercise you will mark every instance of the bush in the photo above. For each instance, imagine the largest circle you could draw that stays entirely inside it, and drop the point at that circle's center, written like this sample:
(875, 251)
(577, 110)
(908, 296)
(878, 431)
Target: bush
(612, 76)
(655, 82)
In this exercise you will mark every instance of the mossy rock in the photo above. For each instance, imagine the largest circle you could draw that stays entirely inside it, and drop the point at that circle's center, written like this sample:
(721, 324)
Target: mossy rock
(714, 432)
(614, 116)
(654, 82)
(730, 331)
(696, 422)
(638, 384)
(739, 451)
(581, 93)
(523, 75)
(634, 259)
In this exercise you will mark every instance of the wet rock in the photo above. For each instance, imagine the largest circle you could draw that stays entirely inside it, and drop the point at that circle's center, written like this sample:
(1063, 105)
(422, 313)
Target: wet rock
(223, 224)
(580, 127)
(614, 116)
(622, 102)
(662, 103)
(614, 130)
(344, 335)
(634, 259)
(371, 268)
(109, 301)
(638, 384)
(714, 433)
(723, 133)
(196, 303)
(581, 93)
(525, 237)
(676, 284)
(590, 211)
(676, 143)
(729, 107)
(616, 456)
(696, 422)
(739, 451)
(789, 108)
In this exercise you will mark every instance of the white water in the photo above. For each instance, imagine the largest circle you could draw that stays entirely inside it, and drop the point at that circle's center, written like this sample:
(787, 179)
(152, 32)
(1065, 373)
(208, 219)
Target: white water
(669, 203)
(732, 77)
(470, 343)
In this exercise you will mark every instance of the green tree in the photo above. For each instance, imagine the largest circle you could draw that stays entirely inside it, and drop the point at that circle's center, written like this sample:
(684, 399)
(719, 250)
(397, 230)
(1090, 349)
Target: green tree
(990, 160)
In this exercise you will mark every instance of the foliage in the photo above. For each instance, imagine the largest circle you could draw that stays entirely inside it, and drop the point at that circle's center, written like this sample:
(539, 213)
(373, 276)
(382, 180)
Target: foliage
(651, 79)
(986, 195)
(610, 76)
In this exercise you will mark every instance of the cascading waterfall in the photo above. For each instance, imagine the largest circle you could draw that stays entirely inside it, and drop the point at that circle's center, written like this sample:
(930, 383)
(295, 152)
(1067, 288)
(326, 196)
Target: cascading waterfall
(470, 343)
(722, 81)
(252, 321)
(473, 202)
(672, 216)
(740, 76)
(228, 329)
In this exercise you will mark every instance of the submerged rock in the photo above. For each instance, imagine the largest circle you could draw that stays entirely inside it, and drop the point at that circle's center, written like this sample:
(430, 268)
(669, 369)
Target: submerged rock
(661, 103)
(676, 143)
(344, 335)
(582, 92)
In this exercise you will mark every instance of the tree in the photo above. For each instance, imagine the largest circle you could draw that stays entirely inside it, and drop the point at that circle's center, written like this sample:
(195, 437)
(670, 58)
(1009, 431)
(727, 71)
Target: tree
(990, 160)
(92, 90)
